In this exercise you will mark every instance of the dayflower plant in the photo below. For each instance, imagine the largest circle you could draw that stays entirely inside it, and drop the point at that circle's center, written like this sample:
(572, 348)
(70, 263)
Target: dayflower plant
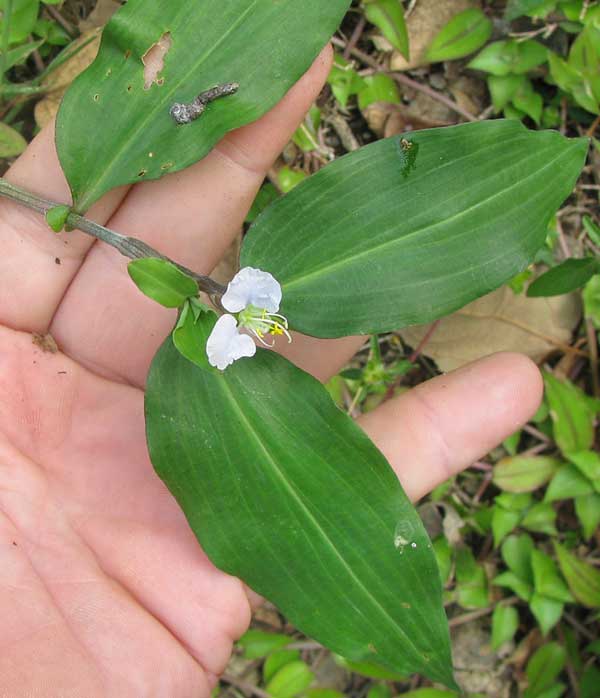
(254, 296)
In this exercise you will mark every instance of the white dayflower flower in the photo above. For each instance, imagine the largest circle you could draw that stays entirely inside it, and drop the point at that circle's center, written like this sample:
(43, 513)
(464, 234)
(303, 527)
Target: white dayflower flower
(254, 295)
(252, 287)
(226, 344)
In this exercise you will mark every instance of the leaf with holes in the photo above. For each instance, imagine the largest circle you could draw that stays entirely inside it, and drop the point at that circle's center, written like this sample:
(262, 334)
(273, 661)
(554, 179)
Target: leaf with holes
(284, 490)
(198, 44)
(411, 228)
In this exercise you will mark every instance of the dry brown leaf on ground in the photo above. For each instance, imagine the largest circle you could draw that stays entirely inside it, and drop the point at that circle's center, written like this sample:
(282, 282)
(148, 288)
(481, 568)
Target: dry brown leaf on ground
(59, 79)
(427, 19)
(386, 119)
(500, 321)
(478, 668)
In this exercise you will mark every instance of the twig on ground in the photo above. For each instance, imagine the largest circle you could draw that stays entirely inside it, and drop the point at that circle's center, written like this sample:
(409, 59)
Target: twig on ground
(67, 26)
(245, 687)
(403, 79)
(355, 38)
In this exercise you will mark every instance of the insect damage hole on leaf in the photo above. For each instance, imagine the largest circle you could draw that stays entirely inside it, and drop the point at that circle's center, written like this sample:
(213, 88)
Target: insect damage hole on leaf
(154, 59)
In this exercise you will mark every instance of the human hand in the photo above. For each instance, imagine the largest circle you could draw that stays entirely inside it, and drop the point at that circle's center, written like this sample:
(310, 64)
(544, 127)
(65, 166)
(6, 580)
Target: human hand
(104, 591)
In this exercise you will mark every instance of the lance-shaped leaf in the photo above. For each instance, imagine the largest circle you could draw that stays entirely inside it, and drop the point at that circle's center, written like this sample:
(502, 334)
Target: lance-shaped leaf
(114, 125)
(566, 277)
(412, 228)
(283, 490)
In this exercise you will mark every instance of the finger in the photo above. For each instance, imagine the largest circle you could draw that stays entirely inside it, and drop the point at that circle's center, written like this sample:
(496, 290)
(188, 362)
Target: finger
(37, 265)
(191, 216)
(444, 425)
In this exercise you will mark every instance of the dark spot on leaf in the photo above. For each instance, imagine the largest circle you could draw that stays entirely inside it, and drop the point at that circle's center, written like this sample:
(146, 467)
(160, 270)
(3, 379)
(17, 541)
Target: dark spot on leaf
(166, 165)
(96, 98)
(109, 72)
(142, 172)
(408, 151)
(127, 54)
(129, 88)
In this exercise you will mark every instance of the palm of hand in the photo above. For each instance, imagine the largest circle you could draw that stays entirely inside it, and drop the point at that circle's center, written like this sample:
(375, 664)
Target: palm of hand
(103, 589)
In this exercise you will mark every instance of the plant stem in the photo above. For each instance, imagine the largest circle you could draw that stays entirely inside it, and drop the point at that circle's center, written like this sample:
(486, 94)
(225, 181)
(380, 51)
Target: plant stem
(6, 17)
(127, 246)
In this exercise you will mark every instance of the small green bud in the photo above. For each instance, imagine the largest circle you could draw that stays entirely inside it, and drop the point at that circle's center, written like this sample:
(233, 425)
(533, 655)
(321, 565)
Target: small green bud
(56, 217)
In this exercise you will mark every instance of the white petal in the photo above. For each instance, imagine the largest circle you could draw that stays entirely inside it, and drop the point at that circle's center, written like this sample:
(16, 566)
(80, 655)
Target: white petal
(252, 287)
(226, 345)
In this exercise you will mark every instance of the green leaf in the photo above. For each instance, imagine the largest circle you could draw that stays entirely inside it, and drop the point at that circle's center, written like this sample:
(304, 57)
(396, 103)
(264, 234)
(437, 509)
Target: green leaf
(572, 416)
(516, 553)
(564, 278)
(546, 579)
(56, 217)
(453, 214)
(568, 482)
(369, 669)
(266, 428)
(257, 643)
(22, 19)
(540, 519)
(212, 43)
(194, 325)
(582, 578)
(587, 508)
(265, 197)
(162, 281)
(591, 300)
(388, 16)
(430, 693)
(289, 179)
(591, 229)
(518, 8)
(293, 678)
(506, 57)
(17, 55)
(588, 463)
(588, 687)
(344, 80)
(511, 443)
(323, 693)
(503, 88)
(544, 667)
(514, 502)
(12, 142)
(379, 690)
(305, 136)
(505, 623)
(527, 100)
(547, 611)
(276, 660)
(378, 88)
(503, 522)
(443, 554)
(524, 473)
(520, 587)
(465, 33)
(471, 582)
